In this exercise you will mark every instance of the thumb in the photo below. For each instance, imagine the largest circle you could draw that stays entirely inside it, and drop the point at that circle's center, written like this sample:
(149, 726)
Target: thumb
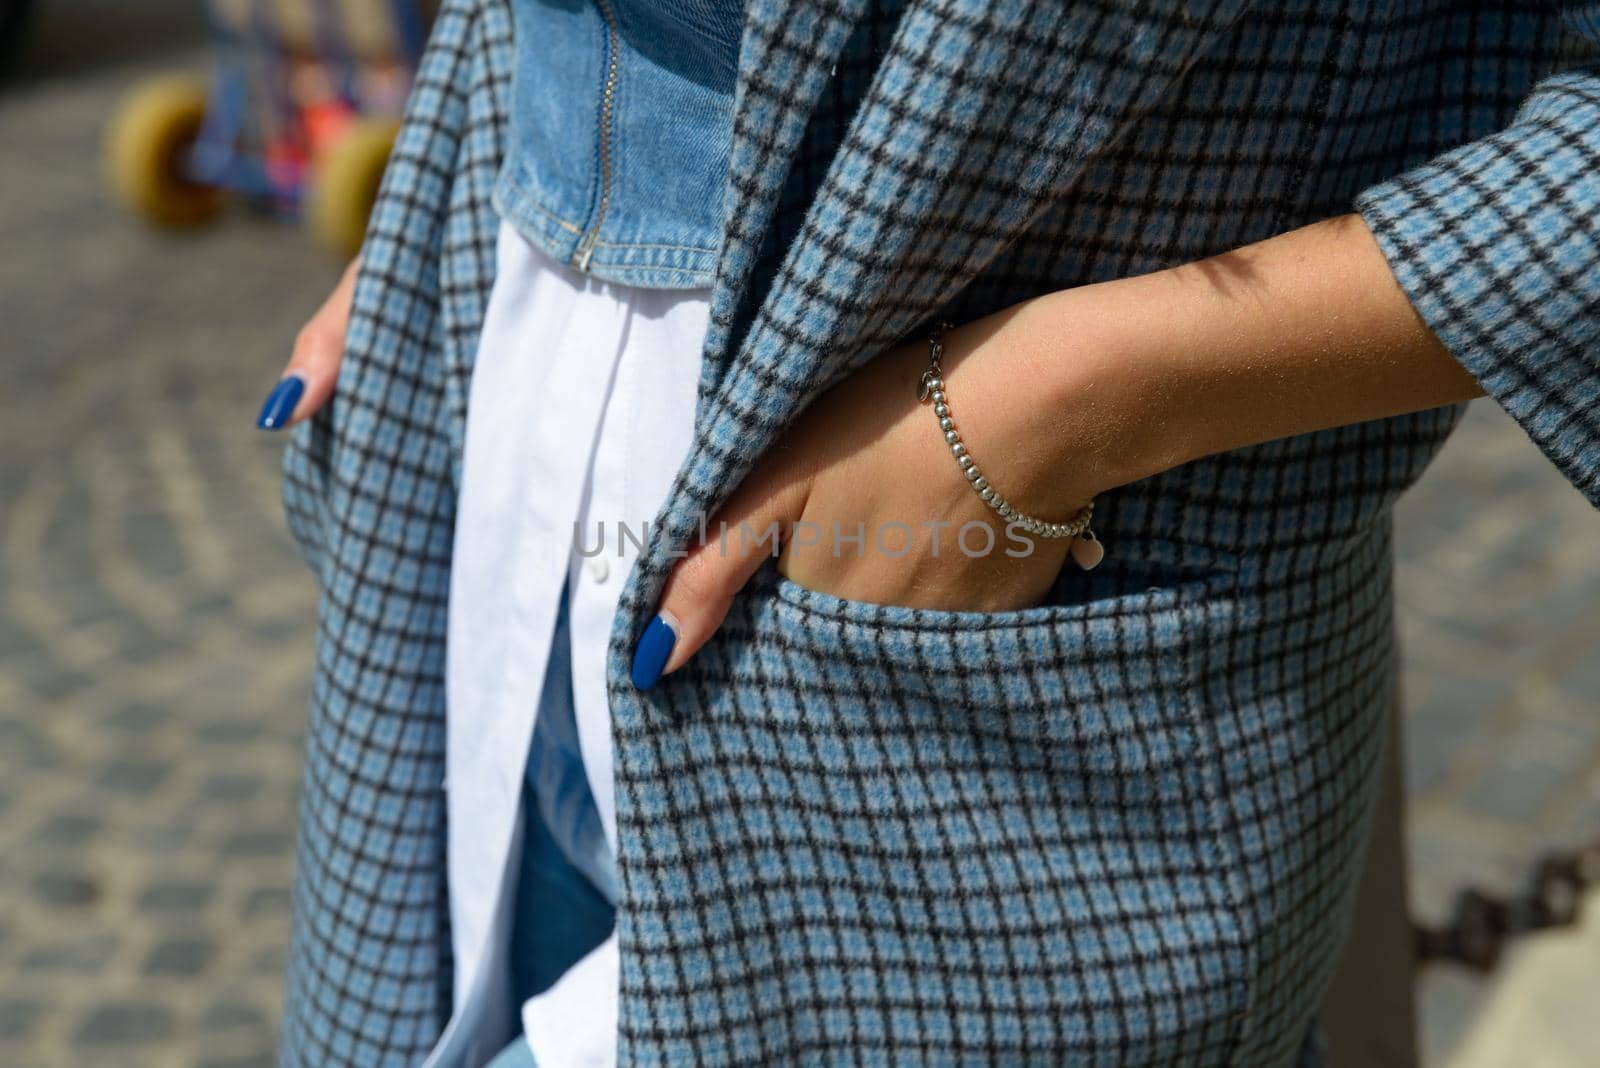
(702, 585)
(308, 380)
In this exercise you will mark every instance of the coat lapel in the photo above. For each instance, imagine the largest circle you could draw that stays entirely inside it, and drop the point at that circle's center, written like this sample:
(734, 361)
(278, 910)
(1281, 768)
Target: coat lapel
(789, 51)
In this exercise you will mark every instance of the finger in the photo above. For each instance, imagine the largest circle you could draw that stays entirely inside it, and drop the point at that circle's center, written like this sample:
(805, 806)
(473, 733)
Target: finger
(701, 587)
(313, 369)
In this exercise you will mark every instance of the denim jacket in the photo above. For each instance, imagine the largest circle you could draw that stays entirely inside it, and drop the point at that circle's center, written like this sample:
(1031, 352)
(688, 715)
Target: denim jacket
(619, 135)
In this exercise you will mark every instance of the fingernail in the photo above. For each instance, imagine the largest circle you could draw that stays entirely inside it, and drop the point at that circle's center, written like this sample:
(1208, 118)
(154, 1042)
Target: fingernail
(650, 655)
(280, 403)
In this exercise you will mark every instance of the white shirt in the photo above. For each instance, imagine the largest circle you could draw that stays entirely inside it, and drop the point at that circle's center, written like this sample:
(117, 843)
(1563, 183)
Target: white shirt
(580, 412)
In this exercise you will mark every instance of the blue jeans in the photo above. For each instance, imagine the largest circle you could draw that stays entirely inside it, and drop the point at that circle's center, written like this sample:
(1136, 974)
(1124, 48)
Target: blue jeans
(566, 883)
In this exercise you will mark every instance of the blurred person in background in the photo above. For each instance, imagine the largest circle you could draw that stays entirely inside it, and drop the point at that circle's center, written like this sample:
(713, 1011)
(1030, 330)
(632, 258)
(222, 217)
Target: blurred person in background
(586, 787)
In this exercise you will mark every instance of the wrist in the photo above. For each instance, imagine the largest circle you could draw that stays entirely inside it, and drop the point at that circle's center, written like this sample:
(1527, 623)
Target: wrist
(1107, 372)
(1075, 392)
(1015, 430)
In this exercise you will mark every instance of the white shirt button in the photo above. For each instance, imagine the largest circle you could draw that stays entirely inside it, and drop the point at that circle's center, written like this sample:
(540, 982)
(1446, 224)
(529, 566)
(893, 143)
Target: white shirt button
(599, 570)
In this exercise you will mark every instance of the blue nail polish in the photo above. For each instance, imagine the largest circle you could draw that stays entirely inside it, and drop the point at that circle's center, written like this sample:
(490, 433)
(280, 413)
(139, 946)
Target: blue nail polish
(280, 403)
(650, 655)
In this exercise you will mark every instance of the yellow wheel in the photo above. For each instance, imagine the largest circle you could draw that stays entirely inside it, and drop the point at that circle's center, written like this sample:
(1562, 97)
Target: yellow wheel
(145, 148)
(344, 185)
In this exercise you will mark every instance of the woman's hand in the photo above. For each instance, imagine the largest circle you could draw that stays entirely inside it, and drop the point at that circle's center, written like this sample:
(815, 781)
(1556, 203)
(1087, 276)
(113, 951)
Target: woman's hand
(871, 504)
(308, 380)
(1060, 398)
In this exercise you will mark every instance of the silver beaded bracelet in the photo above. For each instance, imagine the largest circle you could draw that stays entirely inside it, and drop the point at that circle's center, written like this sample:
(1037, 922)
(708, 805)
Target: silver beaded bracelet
(1086, 549)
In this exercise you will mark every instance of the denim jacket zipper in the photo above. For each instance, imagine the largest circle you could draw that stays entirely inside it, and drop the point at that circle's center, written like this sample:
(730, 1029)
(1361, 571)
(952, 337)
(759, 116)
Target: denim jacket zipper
(585, 250)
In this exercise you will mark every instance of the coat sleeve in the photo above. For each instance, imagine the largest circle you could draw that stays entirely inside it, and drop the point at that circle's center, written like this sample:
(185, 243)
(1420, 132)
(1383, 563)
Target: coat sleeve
(1497, 244)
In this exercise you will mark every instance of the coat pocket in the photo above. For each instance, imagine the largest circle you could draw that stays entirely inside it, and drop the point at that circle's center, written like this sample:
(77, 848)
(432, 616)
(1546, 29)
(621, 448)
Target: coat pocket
(946, 837)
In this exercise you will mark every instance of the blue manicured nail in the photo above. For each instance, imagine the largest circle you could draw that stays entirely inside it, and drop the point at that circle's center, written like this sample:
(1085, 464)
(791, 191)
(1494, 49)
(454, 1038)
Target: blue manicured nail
(650, 655)
(280, 403)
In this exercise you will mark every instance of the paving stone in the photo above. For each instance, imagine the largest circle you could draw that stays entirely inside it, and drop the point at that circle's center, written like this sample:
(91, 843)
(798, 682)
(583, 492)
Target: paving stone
(80, 954)
(1466, 699)
(67, 829)
(285, 630)
(13, 639)
(1450, 998)
(134, 776)
(82, 600)
(155, 545)
(50, 680)
(1515, 791)
(131, 1022)
(263, 1059)
(138, 642)
(1550, 733)
(233, 1015)
(180, 956)
(212, 603)
(268, 900)
(20, 737)
(175, 897)
(66, 889)
(229, 732)
(1532, 766)
(1434, 739)
(17, 1018)
(163, 834)
(230, 787)
(268, 963)
(1580, 823)
(136, 717)
(257, 843)
(1581, 681)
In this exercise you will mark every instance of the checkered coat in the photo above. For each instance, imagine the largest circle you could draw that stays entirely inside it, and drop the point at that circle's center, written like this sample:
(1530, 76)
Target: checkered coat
(1116, 829)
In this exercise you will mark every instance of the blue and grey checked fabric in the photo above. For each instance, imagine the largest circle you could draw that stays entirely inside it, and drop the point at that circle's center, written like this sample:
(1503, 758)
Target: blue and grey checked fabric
(1119, 828)
(370, 494)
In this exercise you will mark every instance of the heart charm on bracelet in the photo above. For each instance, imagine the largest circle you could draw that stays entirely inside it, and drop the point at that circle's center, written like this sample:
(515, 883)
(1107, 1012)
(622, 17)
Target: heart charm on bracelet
(1087, 550)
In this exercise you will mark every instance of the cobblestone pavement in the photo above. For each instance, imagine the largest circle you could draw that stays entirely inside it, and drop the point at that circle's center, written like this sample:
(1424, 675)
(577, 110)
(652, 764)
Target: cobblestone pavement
(154, 621)
(1499, 592)
(155, 625)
